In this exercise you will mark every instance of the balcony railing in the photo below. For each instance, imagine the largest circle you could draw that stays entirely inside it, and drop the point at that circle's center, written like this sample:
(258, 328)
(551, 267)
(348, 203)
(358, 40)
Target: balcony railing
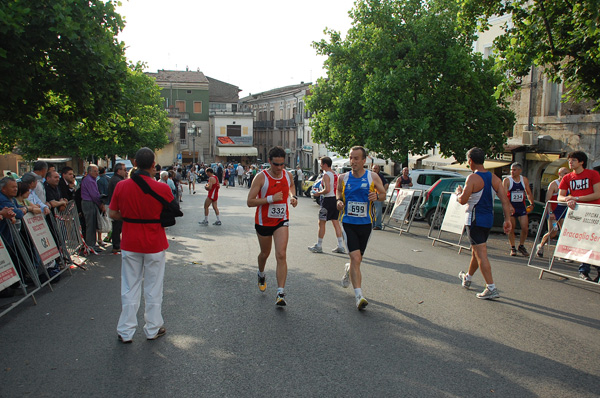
(263, 124)
(285, 124)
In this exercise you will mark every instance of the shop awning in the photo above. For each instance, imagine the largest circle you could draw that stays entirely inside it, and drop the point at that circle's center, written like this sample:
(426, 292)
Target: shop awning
(414, 158)
(237, 151)
(55, 160)
(438, 160)
(488, 164)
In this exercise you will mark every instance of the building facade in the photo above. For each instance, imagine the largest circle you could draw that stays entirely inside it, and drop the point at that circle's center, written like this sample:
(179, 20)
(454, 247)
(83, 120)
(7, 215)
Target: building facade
(280, 119)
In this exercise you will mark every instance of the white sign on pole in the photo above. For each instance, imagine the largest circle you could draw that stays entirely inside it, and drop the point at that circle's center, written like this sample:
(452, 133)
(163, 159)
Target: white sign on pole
(402, 204)
(454, 219)
(579, 238)
(41, 237)
(8, 273)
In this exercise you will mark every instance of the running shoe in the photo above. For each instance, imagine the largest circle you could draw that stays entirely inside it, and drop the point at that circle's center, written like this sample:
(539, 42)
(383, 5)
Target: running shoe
(522, 250)
(463, 277)
(488, 294)
(262, 283)
(217, 222)
(346, 278)
(339, 249)
(315, 249)
(205, 222)
(361, 303)
(513, 251)
(280, 300)
(539, 250)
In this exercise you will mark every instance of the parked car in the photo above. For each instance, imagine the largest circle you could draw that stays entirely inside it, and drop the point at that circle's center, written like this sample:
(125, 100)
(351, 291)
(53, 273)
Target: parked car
(422, 180)
(432, 197)
(308, 183)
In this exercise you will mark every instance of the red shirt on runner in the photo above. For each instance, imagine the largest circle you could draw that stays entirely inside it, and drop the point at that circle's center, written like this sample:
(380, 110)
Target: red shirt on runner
(270, 215)
(213, 194)
(129, 199)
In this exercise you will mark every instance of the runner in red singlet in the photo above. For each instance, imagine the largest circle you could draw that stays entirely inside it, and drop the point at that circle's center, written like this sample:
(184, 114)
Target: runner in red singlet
(272, 192)
(213, 195)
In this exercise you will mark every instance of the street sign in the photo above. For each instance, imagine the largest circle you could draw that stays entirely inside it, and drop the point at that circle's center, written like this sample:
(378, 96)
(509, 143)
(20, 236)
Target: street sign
(179, 157)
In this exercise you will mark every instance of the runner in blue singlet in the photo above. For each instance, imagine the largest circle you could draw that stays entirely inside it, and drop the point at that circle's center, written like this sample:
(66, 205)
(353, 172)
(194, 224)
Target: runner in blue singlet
(478, 195)
(517, 187)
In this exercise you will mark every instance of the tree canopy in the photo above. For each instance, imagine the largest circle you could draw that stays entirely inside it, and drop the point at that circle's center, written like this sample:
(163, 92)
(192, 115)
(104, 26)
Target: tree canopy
(560, 36)
(404, 80)
(66, 87)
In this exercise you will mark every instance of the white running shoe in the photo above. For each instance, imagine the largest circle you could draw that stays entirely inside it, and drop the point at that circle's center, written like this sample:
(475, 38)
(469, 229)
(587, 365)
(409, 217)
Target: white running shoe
(205, 222)
(339, 249)
(346, 278)
(464, 282)
(315, 249)
(539, 250)
(488, 294)
(361, 303)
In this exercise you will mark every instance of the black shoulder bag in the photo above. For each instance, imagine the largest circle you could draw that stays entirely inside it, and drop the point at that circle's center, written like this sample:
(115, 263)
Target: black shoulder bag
(170, 209)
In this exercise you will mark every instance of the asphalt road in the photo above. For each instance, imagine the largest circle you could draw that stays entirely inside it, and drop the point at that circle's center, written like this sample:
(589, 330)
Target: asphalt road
(422, 334)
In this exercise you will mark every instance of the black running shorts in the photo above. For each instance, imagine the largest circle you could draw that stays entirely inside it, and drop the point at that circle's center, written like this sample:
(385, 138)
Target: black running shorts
(357, 236)
(268, 231)
(328, 209)
(477, 235)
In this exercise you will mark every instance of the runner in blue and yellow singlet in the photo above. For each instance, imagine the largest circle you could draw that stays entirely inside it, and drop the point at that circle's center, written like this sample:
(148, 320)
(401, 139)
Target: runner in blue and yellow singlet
(517, 190)
(357, 190)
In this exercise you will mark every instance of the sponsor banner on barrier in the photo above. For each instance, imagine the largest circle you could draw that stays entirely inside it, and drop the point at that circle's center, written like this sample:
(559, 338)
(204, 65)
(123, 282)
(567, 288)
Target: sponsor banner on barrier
(454, 219)
(579, 238)
(8, 273)
(402, 204)
(41, 237)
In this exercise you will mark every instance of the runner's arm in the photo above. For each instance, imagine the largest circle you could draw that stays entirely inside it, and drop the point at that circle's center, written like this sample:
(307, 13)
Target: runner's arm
(293, 198)
(379, 194)
(463, 194)
(326, 186)
(253, 200)
(528, 192)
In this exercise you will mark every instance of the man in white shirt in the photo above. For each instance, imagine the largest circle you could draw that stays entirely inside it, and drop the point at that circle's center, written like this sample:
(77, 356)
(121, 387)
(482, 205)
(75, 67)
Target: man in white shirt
(299, 180)
(328, 211)
(240, 174)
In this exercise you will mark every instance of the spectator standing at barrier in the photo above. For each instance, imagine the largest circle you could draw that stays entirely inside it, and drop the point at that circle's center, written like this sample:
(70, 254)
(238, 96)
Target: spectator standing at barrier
(178, 183)
(10, 212)
(90, 203)
(328, 210)
(102, 182)
(66, 184)
(272, 192)
(379, 205)
(580, 186)
(144, 248)
(31, 179)
(478, 195)
(356, 192)
(212, 186)
(40, 168)
(517, 187)
(404, 181)
(53, 196)
(117, 225)
(22, 198)
(556, 213)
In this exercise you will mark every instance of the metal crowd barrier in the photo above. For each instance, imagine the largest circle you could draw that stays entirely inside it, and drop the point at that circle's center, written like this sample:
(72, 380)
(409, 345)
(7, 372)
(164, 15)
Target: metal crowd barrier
(66, 231)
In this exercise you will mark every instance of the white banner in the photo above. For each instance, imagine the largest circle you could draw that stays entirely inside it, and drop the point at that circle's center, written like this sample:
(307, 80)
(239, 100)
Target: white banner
(402, 204)
(579, 238)
(454, 219)
(41, 237)
(8, 273)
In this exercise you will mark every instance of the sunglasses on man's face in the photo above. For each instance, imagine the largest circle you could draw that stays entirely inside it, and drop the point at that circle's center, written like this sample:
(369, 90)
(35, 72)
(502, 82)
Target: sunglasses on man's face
(277, 164)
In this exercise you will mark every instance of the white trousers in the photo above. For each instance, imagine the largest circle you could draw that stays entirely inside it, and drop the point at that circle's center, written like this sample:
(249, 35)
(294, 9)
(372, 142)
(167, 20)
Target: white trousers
(135, 268)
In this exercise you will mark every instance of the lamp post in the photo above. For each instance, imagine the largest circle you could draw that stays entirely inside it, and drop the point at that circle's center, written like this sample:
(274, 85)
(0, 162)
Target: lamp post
(192, 131)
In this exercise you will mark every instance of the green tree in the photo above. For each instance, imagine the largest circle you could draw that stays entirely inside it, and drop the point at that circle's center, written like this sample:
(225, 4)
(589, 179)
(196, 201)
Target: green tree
(137, 120)
(560, 36)
(404, 80)
(59, 52)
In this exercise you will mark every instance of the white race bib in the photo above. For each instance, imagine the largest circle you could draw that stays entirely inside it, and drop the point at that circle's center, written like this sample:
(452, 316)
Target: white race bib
(277, 210)
(357, 209)
(517, 196)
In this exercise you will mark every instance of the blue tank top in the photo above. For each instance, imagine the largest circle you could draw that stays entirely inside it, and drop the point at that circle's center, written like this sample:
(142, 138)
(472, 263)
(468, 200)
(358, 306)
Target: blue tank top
(355, 191)
(516, 194)
(480, 206)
